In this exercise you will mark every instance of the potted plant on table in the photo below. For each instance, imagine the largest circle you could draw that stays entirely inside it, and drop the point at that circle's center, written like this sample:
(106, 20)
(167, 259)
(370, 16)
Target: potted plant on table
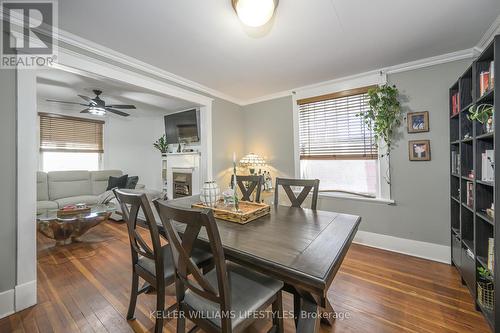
(162, 145)
(483, 113)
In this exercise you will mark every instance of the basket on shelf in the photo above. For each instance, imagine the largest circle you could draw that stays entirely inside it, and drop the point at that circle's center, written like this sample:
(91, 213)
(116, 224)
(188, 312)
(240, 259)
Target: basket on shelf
(486, 295)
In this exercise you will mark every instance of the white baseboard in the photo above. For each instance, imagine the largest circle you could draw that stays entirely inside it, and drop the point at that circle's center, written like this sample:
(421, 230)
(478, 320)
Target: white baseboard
(7, 303)
(431, 251)
(25, 295)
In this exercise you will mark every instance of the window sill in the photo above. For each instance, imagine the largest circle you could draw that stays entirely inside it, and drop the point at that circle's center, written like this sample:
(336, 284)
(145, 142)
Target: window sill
(345, 196)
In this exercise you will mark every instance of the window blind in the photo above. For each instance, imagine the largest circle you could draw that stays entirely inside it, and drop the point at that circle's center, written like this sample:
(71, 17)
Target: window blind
(330, 129)
(70, 134)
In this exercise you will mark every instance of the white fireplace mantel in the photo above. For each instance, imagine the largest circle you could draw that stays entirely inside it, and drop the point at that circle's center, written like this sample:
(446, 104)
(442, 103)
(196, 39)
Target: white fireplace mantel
(183, 162)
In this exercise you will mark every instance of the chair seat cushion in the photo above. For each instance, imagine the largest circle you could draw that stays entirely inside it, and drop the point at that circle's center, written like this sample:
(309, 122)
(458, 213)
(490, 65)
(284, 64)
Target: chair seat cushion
(86, 199)
(147, 264)
(249, 291)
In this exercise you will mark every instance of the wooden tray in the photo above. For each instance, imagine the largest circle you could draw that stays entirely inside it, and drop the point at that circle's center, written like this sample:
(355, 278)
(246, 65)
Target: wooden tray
(249, 211)
(62, 212)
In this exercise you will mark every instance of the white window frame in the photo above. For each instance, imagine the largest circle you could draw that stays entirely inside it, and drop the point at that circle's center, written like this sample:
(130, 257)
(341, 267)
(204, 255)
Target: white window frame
(384, 188)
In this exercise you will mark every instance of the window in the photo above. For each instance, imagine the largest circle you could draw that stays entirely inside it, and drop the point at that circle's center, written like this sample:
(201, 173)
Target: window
(335, 145)
(70, 143)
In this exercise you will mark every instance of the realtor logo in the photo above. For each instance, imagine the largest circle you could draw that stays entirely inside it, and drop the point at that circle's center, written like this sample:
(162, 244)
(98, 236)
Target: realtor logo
(27, 36)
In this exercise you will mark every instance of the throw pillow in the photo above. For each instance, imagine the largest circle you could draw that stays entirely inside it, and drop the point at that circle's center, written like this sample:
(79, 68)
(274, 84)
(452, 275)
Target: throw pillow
(132, 182)
(117, 182)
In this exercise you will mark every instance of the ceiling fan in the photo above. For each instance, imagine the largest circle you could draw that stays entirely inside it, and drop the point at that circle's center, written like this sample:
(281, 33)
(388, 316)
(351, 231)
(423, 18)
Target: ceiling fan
(97, 106)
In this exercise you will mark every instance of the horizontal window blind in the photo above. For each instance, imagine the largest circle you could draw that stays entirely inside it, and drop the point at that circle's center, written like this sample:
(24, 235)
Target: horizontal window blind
(70, 134)
(330, 129)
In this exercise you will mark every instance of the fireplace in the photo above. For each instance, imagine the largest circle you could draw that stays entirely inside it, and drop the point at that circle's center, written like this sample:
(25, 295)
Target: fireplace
(182, 185)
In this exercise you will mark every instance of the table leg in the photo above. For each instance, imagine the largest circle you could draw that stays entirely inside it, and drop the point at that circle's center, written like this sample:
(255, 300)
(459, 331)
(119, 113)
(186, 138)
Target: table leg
(328, 314)
(308, 319)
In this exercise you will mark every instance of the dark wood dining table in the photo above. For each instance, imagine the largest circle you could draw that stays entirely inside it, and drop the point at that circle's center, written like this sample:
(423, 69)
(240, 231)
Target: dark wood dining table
(302, 247)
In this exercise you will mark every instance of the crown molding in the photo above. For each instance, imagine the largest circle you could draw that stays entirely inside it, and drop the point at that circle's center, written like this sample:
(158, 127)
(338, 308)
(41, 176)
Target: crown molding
(488, 36)
(269, 97)
(110, 54)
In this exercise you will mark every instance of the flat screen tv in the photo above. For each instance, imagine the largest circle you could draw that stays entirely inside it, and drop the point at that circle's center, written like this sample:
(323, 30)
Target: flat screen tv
(183, 127)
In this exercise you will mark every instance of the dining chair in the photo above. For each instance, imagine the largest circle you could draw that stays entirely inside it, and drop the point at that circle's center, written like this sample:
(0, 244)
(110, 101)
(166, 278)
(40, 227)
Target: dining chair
(210, 300)
(306, 184)
(249, 184)
(152, 264)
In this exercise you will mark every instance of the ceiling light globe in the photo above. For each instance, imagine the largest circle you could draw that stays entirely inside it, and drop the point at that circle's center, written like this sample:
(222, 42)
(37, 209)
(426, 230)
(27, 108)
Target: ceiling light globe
(254, 13)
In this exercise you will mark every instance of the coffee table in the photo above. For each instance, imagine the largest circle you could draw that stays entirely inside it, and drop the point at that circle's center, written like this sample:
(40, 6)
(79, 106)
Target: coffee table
(68, 228)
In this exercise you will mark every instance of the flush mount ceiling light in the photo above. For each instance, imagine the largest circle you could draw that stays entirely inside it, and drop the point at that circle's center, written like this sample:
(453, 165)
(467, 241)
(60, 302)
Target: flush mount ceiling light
(255, 13)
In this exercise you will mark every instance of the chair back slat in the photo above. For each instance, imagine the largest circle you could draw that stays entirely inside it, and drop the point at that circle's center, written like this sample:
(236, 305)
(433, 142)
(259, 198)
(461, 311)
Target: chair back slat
(131, 204)
(194, 221)
(249, 184)
(306, 184)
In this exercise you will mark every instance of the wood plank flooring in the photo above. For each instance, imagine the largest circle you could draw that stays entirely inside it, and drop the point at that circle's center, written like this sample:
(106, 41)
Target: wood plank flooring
(85, 287)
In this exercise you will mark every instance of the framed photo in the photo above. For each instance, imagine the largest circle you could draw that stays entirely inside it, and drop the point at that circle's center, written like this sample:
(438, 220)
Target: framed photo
(418, 122)
(419, 150)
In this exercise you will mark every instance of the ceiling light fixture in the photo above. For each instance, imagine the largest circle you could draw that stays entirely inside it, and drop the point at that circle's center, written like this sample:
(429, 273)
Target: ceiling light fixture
(97, 111)
(255, 13)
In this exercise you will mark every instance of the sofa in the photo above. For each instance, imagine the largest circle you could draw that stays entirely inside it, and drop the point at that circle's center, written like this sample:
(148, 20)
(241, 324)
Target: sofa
(57, 189)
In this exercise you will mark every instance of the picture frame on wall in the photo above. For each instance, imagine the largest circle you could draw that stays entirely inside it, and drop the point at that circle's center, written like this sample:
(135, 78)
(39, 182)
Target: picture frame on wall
(419, 150)
(418, 122)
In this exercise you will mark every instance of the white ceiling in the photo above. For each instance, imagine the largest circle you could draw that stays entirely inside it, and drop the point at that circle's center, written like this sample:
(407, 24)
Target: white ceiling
(309, 41)
(65, 86)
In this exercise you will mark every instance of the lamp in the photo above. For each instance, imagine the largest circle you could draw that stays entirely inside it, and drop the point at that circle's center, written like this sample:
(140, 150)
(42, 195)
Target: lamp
(97, 111)
(254, 13)
(251, 161)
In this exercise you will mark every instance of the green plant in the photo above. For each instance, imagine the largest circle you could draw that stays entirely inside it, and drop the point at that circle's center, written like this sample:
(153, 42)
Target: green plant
(161, 144)
(481, 112)
(484, 274)
(384, 113)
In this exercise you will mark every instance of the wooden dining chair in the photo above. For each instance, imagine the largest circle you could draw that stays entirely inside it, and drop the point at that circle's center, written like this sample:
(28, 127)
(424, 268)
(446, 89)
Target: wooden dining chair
(306, 184)
(152, 264)
(249, 184)
(209, 299)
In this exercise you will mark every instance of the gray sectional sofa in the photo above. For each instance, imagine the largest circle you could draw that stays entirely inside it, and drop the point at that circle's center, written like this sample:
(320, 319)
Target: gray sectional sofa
(57, 189)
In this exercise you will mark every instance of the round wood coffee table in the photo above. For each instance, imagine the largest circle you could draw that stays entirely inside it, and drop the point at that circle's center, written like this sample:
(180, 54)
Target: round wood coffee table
(68, 228)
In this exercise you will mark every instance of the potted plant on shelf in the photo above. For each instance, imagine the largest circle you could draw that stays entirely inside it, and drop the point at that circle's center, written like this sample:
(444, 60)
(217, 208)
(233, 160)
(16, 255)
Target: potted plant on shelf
(485, 288)
(162, 145)
(483, 113)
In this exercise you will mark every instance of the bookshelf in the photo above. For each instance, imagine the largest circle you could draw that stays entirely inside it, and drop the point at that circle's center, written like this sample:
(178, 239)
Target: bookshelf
(473, 179)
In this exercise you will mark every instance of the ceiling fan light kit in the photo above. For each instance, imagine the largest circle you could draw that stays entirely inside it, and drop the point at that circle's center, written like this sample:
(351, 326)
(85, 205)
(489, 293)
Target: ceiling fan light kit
(255, 13)
(97, 106)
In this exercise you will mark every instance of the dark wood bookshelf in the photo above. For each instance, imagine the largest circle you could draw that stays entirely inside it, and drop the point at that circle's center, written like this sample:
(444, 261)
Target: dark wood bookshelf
(471, 226)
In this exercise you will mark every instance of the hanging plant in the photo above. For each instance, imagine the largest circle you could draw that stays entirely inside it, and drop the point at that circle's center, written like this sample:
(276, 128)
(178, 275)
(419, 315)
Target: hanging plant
(384, 114)
(161, 144)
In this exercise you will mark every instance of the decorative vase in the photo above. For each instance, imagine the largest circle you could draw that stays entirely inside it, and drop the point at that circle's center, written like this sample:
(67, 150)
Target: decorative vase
(210, 193)
(488, 125)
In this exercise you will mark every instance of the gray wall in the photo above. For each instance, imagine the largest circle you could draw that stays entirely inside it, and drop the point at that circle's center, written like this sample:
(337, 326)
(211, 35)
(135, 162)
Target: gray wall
(8, 179)
(420, 189)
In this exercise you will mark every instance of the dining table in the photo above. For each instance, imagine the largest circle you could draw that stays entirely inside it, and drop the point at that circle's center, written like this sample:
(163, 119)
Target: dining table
(302, 247)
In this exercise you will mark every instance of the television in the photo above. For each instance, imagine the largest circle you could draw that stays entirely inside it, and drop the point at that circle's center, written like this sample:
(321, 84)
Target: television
(183, 127)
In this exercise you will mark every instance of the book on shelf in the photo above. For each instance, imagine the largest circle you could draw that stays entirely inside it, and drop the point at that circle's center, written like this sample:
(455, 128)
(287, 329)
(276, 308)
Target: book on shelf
(491, 254)
(487, 79)
(470, 194)
(488, 165)
(492, 74)
(455, 104)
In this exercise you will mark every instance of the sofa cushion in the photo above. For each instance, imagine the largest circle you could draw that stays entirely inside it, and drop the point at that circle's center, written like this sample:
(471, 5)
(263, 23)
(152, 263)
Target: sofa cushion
(99, 180)
(64, 184)
(42, 186)
(117, 182)
(132, 182)
(43, 205)
(87, 199)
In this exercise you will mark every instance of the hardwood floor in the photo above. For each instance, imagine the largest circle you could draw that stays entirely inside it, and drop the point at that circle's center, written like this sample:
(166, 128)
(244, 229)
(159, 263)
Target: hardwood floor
(84, 287)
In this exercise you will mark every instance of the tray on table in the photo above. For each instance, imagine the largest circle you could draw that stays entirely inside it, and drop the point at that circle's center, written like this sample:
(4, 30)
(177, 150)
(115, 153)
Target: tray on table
(248, 211)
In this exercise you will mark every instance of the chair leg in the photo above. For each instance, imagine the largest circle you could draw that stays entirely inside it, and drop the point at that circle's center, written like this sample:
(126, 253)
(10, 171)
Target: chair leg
(277, 308)
(296, 307)
(133, 296)
(160, 306)
(181, 322)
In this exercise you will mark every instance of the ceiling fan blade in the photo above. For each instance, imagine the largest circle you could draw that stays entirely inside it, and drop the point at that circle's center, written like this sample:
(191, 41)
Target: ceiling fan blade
(118, 112)
(55, 101)
(85, 110)
(88, 99)
(121, 106)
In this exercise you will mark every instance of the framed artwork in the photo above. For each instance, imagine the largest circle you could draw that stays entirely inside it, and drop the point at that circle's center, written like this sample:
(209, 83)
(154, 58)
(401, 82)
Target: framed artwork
(418, 122)
(419, 150)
